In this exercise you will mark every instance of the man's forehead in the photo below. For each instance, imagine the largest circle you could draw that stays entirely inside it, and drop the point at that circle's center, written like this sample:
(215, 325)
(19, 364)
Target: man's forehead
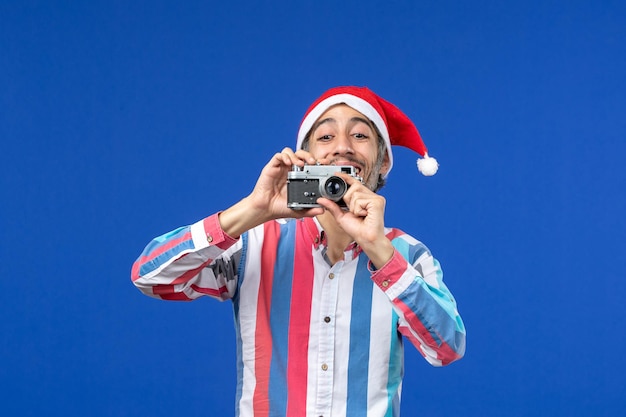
(330, 115)
(340, 106)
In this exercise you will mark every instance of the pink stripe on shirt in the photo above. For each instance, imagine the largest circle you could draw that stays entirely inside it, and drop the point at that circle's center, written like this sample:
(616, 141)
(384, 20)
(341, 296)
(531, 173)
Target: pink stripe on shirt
(299, 324)
(263, 342)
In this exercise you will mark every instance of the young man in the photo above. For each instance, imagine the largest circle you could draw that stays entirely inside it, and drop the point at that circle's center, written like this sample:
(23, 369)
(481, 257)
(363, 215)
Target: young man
(321, 296)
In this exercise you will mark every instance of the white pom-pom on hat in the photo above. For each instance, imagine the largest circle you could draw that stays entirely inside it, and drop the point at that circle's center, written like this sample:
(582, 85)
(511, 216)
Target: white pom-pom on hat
(395, 127)
(427, 166)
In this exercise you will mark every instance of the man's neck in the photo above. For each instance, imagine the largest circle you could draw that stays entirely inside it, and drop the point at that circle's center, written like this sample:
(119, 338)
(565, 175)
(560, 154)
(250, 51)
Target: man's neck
(336, 239)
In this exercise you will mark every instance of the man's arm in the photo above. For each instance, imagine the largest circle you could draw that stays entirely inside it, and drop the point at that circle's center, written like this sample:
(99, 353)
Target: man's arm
(413, 281)
(268, 200)
(188, 263)
(191, 261)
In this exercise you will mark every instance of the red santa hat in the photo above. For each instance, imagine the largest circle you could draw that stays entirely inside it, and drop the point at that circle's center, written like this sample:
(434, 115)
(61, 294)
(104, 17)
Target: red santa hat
(395, 126)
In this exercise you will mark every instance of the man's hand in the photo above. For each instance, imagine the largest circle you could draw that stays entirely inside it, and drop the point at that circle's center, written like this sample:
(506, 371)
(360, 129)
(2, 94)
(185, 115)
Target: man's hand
(364, 219)
(270, 192)
(268, 200)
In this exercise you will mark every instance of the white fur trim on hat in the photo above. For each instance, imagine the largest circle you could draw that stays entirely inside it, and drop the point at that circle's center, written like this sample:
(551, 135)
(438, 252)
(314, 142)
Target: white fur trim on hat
(357, 104)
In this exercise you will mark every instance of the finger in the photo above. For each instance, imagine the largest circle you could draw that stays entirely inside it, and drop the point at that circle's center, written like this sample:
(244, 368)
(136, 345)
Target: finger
(306, 157)
(349, 179)
(355, 190)
(278, 159)
(289, 157)
(359, 206)
(299, 158)
(331, 206)
(311, 212)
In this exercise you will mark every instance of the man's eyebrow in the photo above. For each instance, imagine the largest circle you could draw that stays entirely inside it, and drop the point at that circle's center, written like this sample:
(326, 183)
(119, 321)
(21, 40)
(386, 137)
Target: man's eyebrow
(321, 122)
(332, 120)
(362, 120)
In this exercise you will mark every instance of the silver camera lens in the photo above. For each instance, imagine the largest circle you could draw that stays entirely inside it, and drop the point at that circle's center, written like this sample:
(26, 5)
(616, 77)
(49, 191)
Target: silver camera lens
(333, 188)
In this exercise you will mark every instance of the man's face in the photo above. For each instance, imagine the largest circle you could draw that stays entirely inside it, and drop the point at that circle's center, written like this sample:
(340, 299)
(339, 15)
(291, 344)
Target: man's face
(344, 136)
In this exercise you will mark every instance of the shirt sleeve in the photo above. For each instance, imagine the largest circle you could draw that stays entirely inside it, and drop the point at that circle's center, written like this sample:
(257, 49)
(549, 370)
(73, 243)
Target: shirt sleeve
(189, 262)
(428, 315)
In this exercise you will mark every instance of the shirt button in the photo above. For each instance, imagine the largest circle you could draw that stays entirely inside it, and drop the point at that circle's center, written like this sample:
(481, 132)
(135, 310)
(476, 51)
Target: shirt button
(324, 367)
(209, 238)
(385, 284)
(331, 275)
(327, 319)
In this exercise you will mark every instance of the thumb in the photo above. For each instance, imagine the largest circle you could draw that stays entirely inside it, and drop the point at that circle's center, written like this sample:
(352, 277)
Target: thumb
(331, 206)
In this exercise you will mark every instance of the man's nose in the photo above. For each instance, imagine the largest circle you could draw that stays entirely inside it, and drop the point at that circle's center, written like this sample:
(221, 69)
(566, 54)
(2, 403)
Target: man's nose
(343, 144)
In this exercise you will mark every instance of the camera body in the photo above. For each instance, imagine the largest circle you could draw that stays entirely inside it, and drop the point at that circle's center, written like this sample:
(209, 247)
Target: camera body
(306, 184)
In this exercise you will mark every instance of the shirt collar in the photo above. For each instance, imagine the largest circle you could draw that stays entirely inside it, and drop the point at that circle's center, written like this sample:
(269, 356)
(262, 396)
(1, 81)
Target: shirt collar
(318, 236)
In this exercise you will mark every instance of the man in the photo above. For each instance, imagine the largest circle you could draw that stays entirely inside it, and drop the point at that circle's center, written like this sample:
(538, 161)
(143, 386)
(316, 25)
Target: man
(321, 296)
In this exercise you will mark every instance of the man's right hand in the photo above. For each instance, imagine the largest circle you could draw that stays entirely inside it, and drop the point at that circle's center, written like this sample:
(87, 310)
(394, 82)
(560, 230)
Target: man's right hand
(268, 200)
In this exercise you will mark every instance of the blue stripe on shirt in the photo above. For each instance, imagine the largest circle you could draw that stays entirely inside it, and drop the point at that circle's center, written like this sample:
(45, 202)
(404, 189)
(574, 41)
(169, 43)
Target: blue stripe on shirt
(360, 327)
(432, 315)
(166, 256)
(396, 368)
(440, 313)
(279, 319)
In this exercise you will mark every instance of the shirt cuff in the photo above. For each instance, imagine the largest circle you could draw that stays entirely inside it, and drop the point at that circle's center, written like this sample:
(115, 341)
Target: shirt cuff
(209, 232)
(391, 272)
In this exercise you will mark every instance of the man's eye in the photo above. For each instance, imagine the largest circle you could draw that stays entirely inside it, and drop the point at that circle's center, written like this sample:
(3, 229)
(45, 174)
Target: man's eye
(360, 136)
(325, 137)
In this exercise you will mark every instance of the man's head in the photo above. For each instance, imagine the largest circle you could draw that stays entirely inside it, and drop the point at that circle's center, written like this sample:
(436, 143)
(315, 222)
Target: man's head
(344, 136)
(391, 125)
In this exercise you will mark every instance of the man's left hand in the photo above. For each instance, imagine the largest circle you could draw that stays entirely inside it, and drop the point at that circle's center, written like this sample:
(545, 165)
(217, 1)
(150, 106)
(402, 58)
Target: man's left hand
(364, 219)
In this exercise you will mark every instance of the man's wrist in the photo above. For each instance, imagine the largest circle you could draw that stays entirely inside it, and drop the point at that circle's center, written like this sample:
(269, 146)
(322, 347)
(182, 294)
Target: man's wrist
(240, 218)
(379, 253)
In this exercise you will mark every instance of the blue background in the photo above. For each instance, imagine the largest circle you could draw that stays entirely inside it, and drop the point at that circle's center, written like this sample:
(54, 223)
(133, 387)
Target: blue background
(120, 121)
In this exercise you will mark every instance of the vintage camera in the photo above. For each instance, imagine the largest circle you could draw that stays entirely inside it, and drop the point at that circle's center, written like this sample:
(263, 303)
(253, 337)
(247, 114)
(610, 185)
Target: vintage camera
(306, 184)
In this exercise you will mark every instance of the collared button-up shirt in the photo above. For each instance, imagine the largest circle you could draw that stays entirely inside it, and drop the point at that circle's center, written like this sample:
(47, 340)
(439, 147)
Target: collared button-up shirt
(313, 339)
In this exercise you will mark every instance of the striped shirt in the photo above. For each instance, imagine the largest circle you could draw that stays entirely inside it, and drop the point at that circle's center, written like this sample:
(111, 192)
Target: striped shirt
(313, 339)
